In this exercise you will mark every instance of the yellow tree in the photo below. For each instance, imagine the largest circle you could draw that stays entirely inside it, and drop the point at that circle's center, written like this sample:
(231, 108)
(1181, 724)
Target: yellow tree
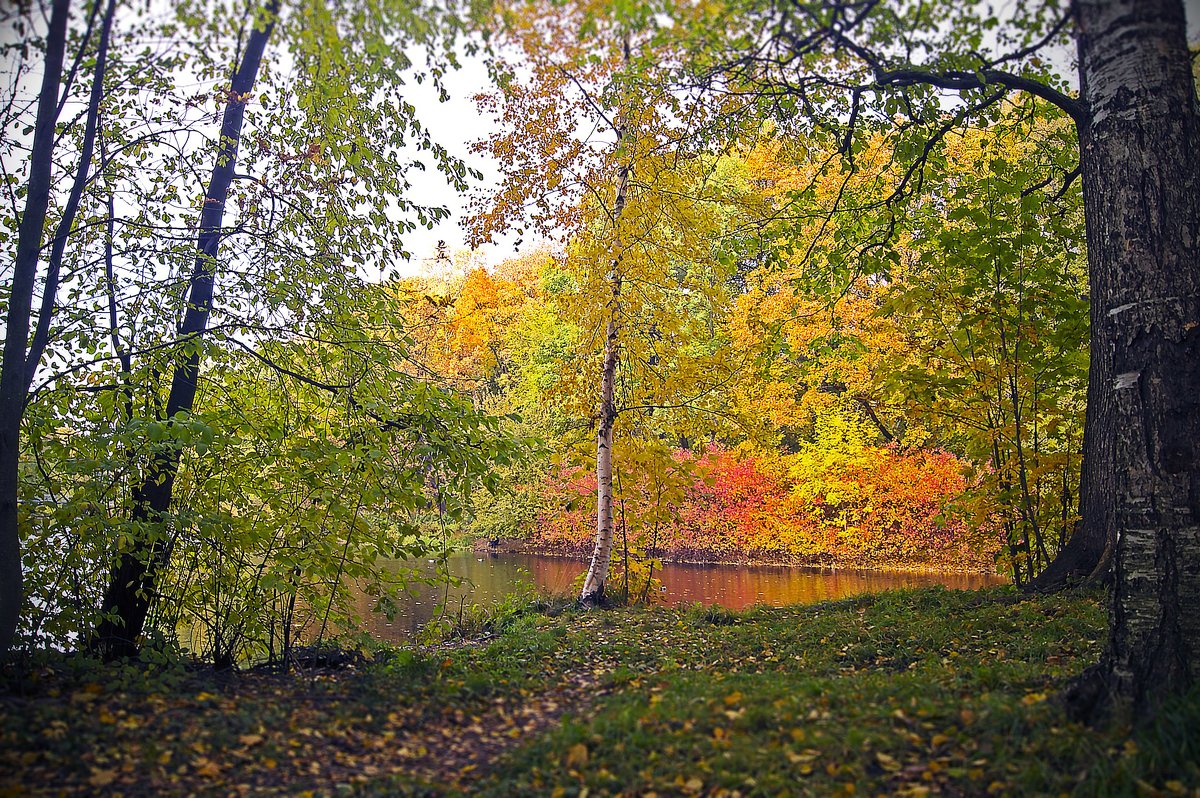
(595, 150)
(807, 320)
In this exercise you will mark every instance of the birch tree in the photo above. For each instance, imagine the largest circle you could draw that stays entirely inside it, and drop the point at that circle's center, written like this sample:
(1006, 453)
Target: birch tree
(927, 68)
(597, 152)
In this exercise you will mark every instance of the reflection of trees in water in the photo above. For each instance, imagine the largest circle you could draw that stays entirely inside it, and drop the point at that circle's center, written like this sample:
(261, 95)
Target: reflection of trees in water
(487, 579)
(737, 587)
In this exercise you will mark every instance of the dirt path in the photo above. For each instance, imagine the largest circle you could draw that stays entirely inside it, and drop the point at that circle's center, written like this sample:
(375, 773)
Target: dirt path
(455, 753)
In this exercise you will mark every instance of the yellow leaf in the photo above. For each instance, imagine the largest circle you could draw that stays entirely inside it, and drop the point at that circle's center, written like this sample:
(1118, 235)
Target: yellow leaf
(102, 778)
(733, 698)
(886, 762)
(250, 739)
(577, 756)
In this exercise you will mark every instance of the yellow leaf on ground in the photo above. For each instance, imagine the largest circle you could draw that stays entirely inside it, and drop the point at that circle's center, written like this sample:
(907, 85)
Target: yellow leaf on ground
(577, 756)
(886, 762)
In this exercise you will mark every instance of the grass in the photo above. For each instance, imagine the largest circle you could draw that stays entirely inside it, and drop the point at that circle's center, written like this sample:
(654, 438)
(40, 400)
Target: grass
(907, 693)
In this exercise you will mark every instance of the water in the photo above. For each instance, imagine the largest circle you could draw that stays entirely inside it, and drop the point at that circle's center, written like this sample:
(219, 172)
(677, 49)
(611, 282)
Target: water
(488, 578)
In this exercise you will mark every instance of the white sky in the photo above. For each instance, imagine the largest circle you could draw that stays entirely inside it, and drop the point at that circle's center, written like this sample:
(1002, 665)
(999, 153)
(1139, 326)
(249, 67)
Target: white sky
(455, 124)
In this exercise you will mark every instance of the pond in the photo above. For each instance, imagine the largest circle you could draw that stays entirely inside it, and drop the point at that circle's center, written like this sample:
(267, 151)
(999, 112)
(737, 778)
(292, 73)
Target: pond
(489, 577)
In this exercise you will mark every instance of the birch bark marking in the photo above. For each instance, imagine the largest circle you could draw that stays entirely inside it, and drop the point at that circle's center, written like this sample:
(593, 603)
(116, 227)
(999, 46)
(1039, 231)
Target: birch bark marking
(1142, 204)
(593, 583)
(135, 575)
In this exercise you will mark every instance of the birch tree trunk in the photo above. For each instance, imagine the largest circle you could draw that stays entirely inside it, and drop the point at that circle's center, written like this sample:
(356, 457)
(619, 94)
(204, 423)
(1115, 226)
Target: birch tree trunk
(597, 575)
(135, 574)
(1141, 176)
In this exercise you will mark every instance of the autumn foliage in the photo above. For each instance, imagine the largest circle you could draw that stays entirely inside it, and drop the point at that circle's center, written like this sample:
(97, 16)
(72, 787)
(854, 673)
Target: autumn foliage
(879, 507)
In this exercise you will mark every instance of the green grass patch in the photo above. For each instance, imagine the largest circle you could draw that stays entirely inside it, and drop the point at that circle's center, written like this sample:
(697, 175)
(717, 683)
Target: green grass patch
(906, 693)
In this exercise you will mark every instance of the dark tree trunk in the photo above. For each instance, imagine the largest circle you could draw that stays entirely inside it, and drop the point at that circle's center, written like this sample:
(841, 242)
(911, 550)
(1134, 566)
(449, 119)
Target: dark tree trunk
(1087, 555)
(135, 575)
(1141, 186)
(41, 335)
(13, 384)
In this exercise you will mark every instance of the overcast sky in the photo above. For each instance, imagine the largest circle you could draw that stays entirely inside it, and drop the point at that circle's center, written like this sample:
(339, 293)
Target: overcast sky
(455, 125)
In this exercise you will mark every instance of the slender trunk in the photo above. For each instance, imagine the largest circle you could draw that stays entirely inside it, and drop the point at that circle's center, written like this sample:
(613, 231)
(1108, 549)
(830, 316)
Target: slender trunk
(624, 555)
(41, 335)
(593, 583)
(597, 574)
(13, 385)
(1142, 200)
(1028, 515)
(1087, 553)
(136, 572)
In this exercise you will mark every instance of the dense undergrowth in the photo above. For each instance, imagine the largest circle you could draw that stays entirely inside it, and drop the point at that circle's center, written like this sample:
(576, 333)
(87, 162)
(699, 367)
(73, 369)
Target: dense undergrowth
(914, 692)
(852, 504)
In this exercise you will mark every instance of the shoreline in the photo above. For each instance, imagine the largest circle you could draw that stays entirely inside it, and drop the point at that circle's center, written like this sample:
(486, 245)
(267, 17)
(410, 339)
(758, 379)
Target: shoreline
(495, 546)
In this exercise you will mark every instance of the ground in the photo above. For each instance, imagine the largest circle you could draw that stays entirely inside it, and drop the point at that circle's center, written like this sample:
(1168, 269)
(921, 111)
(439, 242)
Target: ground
(908, 693)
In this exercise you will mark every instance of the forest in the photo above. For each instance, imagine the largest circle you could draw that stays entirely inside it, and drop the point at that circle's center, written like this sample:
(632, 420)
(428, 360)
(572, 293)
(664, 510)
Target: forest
(305, 298)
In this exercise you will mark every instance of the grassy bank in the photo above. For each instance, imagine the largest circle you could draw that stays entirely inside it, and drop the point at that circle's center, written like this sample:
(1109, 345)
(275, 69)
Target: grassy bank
(916, 692)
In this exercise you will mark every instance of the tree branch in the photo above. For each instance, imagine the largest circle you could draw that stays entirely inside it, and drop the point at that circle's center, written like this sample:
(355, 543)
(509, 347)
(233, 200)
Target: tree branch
(959, 80)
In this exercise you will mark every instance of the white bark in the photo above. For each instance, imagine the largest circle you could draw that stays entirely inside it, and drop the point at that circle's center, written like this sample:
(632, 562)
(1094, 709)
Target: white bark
(593, 583)
(597, 575)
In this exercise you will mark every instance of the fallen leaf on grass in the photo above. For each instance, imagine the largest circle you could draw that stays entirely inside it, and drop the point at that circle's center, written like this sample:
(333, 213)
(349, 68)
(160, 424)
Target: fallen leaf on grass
(886, 762)
(577, 756)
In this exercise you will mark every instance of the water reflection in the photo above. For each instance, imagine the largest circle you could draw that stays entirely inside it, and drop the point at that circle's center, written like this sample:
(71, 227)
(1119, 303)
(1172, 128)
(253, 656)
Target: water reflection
(487, 579)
